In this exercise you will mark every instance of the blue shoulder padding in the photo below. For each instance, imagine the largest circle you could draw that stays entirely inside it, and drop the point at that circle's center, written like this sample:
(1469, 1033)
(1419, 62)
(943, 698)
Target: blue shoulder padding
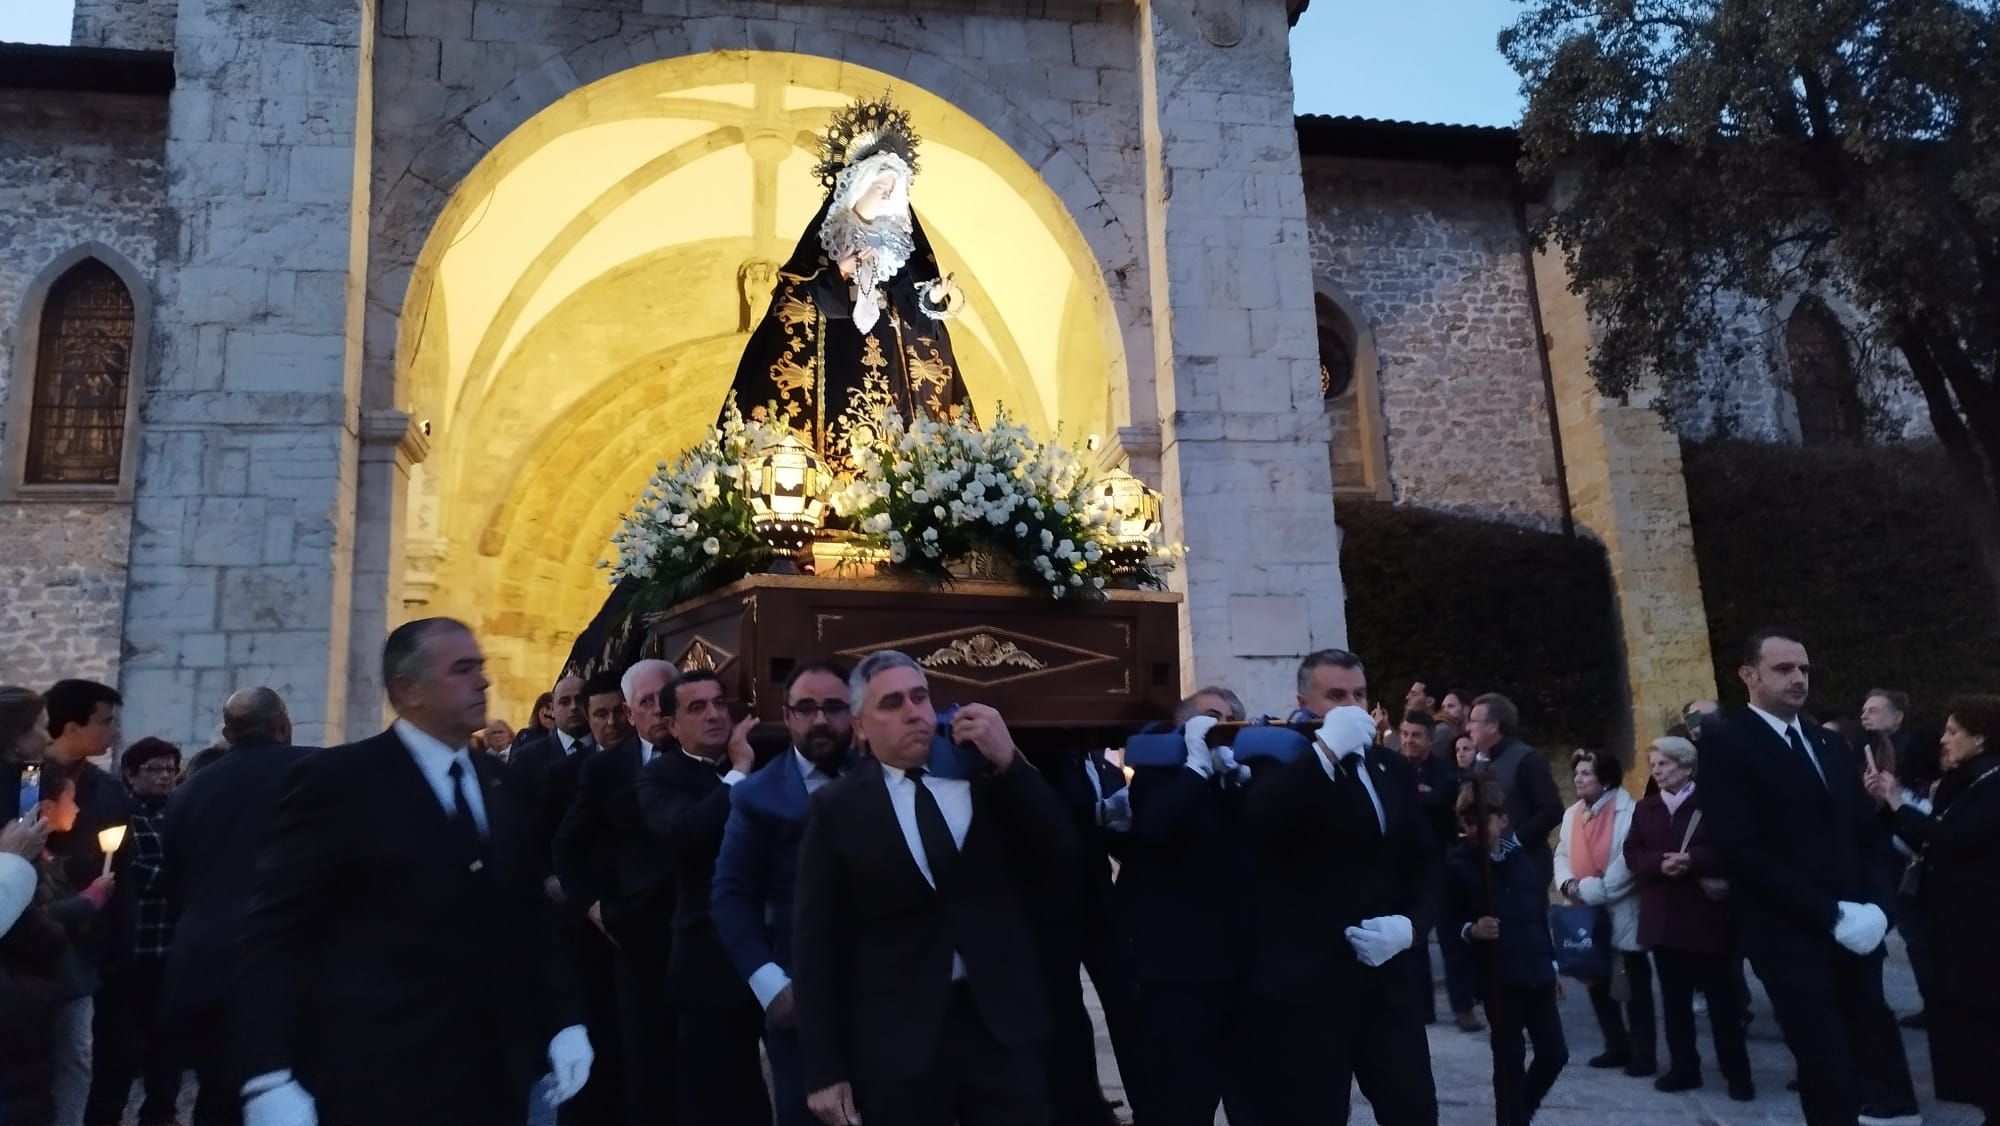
(1280, 744)
(1167, 748)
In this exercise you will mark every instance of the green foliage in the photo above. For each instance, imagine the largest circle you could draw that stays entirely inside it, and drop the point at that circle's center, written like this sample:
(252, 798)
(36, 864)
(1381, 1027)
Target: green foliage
(1863, 550)
(1707, 152)
(1485, 607)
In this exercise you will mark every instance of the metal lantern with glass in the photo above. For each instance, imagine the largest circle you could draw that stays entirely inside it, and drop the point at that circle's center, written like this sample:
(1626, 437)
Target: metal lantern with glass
(1135, 519)
(786, 484)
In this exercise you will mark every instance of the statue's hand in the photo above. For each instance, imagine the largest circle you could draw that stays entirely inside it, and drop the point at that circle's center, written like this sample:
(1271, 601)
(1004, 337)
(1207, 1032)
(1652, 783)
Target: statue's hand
(945, 294)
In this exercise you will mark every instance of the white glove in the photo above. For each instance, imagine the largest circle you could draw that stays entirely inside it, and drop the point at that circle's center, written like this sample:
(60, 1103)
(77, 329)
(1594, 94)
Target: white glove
(287, 1104)
(1226, 765)
(1115, 812)
(1346, 731)
(1861, 927)
(570, 1058)
(1377, 940)
(1200, 759)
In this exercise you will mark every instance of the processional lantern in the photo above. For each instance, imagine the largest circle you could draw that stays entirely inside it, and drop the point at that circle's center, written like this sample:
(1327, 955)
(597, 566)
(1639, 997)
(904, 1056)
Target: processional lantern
(1135, 517)
(786, 484)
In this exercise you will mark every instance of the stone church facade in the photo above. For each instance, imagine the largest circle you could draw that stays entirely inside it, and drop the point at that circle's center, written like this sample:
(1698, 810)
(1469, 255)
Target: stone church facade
(241, 444)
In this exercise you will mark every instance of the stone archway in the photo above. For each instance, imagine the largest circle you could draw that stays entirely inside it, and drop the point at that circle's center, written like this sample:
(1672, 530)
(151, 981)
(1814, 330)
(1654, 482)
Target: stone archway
(576, 308)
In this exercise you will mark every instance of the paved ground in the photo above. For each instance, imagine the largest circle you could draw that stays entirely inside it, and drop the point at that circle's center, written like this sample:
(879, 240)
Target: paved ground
(1587, 1097)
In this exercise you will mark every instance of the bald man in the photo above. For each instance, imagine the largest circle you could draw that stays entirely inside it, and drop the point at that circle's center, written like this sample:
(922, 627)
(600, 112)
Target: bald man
(215, 823)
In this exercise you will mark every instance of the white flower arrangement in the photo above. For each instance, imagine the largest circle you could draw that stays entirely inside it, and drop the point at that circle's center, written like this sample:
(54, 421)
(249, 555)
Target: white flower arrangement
(926, 494)
(931, 492)
(691, 529)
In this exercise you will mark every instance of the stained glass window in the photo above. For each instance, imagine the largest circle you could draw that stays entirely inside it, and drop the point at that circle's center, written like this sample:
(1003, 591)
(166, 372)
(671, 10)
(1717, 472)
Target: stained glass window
(76, 432)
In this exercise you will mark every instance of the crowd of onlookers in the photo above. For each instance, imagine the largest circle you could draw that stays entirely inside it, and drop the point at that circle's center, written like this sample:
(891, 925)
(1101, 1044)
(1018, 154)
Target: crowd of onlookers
(1648, 894)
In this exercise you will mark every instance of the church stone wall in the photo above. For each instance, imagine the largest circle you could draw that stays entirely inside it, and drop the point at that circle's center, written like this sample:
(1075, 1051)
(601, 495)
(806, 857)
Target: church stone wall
(75, 170)
(1432, 257)
(133, 25)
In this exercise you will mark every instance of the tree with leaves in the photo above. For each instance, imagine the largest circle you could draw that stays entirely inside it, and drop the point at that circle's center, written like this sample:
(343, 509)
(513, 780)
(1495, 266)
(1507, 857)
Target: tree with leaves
(1705, 152)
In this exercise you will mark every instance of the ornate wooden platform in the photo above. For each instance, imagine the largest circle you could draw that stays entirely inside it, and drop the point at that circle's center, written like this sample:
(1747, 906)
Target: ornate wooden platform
(1042, 663)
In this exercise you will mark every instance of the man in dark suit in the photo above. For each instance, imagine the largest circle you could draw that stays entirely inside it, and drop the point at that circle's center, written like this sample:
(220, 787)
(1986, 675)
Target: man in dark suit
(622, 874)
(756, 870)
(533, 759)
(1181, 895)
(919, 1003)
(559, 758)
(1342, 856)
(1077, 932)
(396, 967)
(684, 797)
(215, 824)
(1797, 834)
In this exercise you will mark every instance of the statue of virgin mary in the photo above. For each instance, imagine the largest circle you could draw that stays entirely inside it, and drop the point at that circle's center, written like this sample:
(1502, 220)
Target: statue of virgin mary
(855, 329)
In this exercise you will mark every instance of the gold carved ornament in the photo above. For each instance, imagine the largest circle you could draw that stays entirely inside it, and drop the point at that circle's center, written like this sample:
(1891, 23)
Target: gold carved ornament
(982, 651)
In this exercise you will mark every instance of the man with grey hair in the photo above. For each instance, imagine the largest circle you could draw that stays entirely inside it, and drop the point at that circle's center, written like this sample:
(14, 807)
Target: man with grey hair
(607, 858)
(1215, 702)
(216, 821)
(917, 995)
(380, 974)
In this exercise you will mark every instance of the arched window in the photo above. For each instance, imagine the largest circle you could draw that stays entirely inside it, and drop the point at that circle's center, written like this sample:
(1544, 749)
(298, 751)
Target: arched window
(1824, 387)
(1353, 405)
(82, 380)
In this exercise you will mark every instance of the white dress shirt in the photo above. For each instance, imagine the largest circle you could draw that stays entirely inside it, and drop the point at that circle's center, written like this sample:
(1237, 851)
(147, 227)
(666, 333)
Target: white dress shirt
(732, 777)
(435, 759)
(1358, 762)
(646, 752)
(567, 742)
(770, 979)
(1781, 727)
(954, 798)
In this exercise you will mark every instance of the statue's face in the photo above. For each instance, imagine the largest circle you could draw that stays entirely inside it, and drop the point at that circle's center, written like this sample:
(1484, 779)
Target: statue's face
(876, 199)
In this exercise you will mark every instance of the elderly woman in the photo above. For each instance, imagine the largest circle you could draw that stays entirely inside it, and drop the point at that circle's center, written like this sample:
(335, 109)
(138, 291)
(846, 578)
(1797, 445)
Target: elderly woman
(1684, 921)
(1958, 889)
(1590, 870)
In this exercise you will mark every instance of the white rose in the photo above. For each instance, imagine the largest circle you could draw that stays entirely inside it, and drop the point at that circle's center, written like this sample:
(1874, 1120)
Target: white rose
(1021, 529)
(930, 535)
(712, 545)
(938, 511)
(920, 496)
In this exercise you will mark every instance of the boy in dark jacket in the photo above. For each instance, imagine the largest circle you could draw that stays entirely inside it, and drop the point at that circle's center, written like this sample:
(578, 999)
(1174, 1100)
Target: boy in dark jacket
(1513, 957)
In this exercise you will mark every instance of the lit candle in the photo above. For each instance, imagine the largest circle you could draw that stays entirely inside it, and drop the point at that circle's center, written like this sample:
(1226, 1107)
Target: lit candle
(108, 840)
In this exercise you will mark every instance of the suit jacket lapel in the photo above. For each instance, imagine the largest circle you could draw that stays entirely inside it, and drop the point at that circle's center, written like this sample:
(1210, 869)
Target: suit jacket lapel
(1798, 769)
(874, 784)
(791, 787)
(407, 782)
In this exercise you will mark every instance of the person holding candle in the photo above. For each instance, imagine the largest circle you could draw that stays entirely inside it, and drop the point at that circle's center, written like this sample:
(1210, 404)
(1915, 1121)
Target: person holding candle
(125, 1043)
(78, 914)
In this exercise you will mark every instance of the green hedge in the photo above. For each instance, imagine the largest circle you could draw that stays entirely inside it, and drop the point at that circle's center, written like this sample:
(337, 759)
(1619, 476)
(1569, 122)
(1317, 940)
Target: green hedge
(1486, 607)
(1863, 549)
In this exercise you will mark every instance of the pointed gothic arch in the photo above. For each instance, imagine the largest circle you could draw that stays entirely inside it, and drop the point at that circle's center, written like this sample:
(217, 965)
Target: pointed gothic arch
(78, 377)
(1825, 386)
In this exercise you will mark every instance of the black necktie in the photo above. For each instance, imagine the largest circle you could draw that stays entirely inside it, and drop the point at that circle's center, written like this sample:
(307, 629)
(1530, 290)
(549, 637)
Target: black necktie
(464, 829)
(1353, 763)
(1798, 743)
(940, 851)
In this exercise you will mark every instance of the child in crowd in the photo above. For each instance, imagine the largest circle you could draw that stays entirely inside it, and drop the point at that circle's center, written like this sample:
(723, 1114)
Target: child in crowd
(1513, 957)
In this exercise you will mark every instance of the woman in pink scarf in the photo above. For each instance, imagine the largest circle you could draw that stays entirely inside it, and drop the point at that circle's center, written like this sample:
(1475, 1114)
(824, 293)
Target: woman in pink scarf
(1590, 870)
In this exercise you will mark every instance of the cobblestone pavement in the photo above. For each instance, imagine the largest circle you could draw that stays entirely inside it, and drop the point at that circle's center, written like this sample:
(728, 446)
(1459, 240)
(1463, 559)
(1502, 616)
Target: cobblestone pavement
(1587, 1097)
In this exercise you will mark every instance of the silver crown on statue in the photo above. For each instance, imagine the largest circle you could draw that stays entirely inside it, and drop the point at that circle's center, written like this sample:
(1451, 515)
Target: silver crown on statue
(860, 131)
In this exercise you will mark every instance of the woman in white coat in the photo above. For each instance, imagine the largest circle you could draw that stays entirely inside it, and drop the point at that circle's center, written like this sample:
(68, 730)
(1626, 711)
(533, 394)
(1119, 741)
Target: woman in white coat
(1590, 870)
